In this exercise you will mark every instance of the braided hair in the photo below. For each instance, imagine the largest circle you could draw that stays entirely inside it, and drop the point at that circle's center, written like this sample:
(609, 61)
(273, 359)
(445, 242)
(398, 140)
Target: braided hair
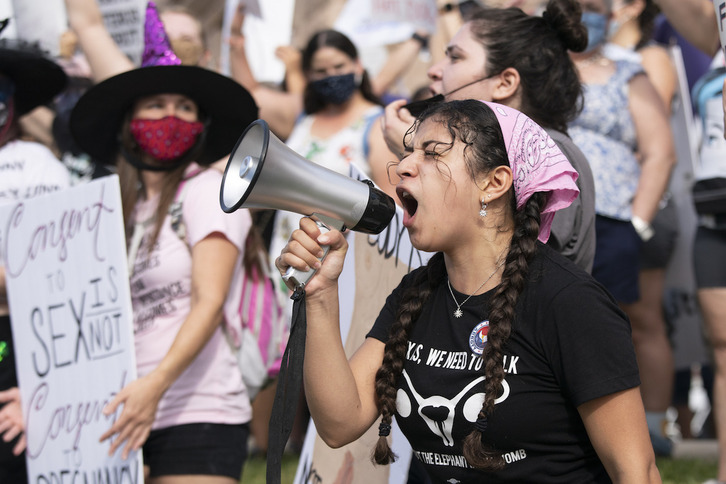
(474, 124)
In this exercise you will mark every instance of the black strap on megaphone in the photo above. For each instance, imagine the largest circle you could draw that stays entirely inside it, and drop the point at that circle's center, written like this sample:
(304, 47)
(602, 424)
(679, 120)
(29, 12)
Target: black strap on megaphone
(289, 386)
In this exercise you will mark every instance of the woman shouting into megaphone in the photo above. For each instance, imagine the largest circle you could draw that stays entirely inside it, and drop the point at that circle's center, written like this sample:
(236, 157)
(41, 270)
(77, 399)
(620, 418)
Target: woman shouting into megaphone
(501, 360)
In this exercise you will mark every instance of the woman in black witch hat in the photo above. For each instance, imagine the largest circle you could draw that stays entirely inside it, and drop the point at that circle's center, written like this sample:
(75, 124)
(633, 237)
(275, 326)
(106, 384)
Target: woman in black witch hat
(163, 124)
(27, 79)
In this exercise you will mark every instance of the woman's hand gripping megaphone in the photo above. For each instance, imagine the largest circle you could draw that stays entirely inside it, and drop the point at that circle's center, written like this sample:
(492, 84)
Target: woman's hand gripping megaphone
(313, 248)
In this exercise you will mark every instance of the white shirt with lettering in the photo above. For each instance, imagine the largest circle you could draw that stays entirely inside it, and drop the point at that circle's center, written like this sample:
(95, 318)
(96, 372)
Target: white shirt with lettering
(29, 169)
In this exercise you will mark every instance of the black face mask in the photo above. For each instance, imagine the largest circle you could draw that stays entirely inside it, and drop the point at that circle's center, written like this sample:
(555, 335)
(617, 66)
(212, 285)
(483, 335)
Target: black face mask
(335, 89)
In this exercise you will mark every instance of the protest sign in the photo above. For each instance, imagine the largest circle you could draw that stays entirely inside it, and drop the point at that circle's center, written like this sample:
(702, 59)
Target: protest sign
(67, 282)
(35, 21)
(267, 26)
(382, 22)
(720, 7)
(124, 20)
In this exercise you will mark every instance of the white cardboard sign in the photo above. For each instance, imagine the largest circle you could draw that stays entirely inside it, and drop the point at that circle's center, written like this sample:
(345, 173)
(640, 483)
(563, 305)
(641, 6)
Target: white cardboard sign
(67, 282)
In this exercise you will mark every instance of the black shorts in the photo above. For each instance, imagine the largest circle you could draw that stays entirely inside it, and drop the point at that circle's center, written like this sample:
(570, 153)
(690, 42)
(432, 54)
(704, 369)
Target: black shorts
(617, 257)
(709, 258)
(657, 252)
(197, 449)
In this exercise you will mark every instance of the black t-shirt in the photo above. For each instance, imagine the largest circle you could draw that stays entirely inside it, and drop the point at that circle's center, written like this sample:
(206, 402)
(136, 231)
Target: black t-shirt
(570, 344)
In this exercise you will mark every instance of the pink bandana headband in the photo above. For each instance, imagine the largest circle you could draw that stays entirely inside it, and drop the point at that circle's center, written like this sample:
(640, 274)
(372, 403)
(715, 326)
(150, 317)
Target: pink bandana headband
(537, 165)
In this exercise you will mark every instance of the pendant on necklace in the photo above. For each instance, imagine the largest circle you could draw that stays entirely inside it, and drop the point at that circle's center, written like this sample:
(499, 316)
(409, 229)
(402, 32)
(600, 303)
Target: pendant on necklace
(458, 313)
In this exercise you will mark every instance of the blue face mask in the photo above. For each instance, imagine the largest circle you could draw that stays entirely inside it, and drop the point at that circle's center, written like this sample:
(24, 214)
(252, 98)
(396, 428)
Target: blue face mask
(335, 89)
(596, 24)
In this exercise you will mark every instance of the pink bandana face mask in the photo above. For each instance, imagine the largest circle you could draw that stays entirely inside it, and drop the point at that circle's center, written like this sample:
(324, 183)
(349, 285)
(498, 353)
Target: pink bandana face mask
(165, 139)
(537, 165)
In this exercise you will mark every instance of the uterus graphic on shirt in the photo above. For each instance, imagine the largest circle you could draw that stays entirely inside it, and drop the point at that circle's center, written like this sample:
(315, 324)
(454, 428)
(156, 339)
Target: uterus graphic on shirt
(439, 412)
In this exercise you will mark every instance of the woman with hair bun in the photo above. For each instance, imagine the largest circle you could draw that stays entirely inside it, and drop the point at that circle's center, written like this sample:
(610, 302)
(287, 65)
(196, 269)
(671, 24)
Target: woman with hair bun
(521, 61)
(501, 360)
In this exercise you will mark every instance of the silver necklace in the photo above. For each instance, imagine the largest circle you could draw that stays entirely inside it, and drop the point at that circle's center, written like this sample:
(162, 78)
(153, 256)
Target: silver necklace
(458, 312)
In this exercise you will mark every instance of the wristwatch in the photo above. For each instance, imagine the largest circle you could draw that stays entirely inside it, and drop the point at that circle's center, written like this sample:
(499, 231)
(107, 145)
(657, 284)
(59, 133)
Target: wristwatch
(421, 39)
(448, 7)
(644, 229)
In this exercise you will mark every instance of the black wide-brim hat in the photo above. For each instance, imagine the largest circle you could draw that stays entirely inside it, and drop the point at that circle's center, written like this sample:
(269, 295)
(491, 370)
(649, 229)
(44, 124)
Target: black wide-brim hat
(228, 107)
(37, 79)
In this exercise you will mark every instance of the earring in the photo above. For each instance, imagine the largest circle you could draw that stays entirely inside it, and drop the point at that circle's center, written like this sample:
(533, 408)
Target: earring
(483, 211)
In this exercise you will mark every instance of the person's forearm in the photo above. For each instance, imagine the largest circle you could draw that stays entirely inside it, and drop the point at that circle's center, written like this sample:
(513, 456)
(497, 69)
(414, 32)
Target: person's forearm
(639, 474)
(38, 125)
(695, 20)
(399, 60)
(240, 70)
(652, 185)
(330, 386)
(279, 109)
(103, 54)
(295, 81)
(199, 326)
(656, 153)
(83, 14)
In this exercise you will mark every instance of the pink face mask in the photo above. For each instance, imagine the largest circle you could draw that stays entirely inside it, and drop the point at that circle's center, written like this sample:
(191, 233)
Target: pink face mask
(165, 139)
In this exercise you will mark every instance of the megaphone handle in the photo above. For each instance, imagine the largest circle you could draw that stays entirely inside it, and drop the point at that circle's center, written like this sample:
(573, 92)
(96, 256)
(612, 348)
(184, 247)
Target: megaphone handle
(297, 279)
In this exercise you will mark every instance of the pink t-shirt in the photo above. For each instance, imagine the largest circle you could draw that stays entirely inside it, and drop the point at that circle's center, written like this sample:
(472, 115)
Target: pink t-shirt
(210, 390)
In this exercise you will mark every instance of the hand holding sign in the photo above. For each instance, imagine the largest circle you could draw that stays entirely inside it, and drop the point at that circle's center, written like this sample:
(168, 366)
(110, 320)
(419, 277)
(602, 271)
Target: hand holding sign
(140, 398)
(64, 256)
(11, 419)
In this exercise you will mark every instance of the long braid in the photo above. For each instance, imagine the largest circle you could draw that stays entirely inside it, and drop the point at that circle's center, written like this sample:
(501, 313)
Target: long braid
(412, 301)
(501, 317)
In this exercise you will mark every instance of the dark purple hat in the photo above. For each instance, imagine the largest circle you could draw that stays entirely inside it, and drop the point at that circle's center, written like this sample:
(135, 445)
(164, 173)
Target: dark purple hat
(227, 106)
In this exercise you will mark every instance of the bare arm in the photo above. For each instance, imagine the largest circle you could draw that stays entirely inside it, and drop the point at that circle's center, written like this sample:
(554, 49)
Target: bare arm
(213, 262)
(294, 76)
(103, 54)
(280, 109)
(618, 432)
(340, 394)
(655, 146)
(661, 72)
(38, 124)
(238, 65)
(400, 58)
(695, 20)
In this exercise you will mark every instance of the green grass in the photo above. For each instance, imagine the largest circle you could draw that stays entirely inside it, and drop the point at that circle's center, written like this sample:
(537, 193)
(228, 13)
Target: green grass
(686, 471)
(672, 471)
(255, 468)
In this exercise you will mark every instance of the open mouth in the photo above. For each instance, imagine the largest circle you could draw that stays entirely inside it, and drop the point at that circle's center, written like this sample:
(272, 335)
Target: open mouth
(408, 202)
